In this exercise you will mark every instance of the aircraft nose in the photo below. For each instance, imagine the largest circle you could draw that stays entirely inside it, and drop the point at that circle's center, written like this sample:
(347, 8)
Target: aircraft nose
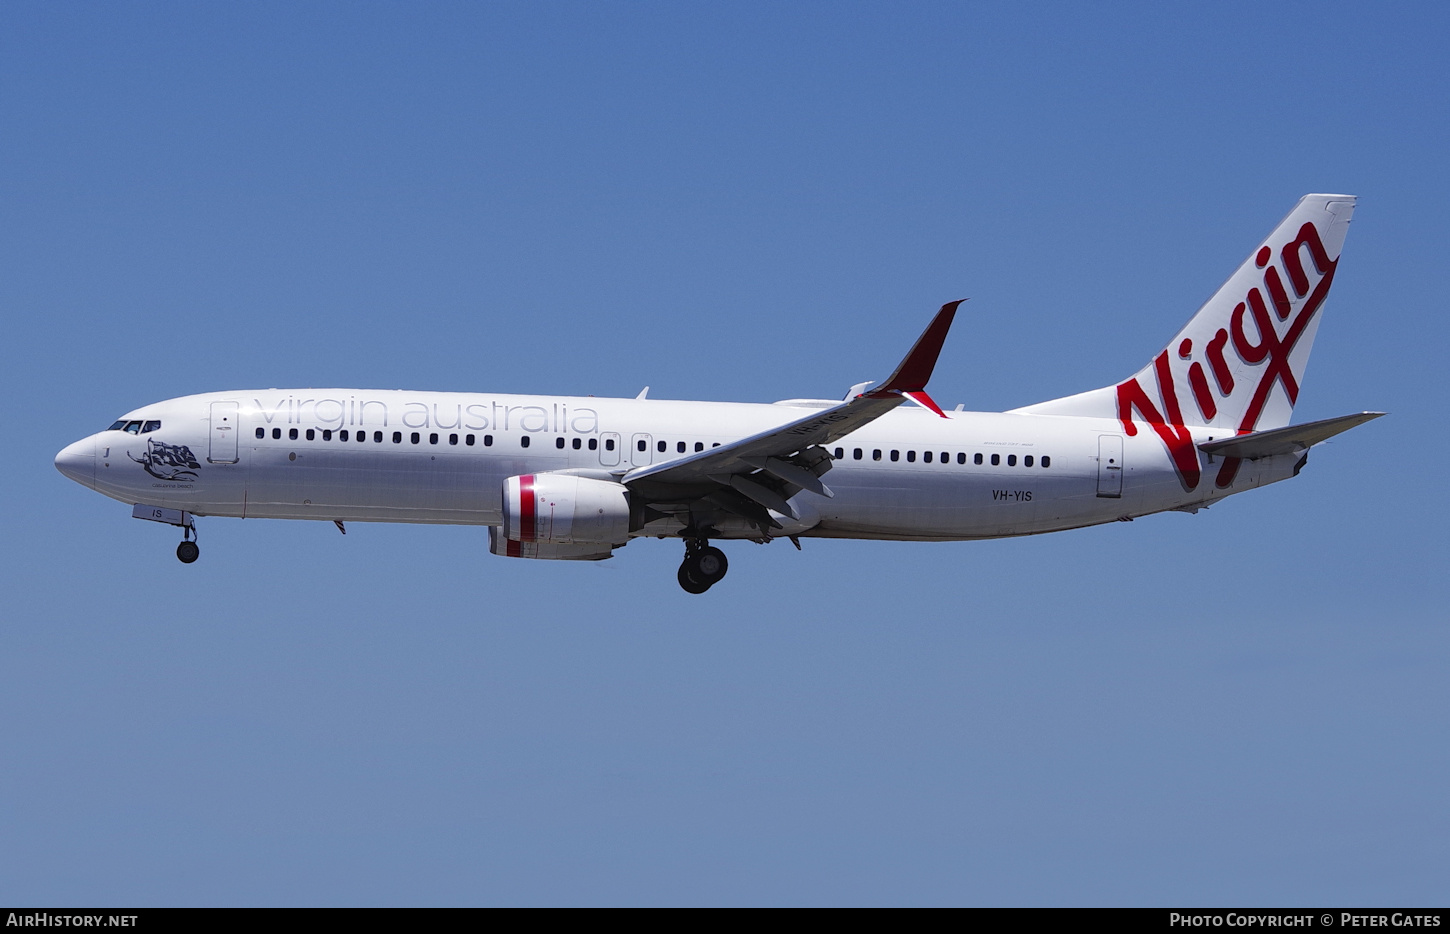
(78, 461)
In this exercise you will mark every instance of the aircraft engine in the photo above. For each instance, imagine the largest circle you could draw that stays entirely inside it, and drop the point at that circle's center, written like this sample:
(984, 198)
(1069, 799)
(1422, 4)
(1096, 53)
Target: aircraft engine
(509, 548)
(565, 510)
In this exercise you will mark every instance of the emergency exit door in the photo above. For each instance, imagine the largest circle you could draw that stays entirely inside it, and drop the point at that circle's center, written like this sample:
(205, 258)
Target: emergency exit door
(639, 450)
(609, 449)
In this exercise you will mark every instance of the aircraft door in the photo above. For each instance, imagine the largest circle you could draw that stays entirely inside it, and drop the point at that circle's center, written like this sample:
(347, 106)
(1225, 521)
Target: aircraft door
(224, 432)
(609, 448)
(639, 450)
(1110, 466)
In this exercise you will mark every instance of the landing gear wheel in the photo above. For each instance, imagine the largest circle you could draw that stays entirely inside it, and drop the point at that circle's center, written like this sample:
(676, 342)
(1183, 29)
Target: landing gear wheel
(187, 552)
(707, 565)
(689, 583)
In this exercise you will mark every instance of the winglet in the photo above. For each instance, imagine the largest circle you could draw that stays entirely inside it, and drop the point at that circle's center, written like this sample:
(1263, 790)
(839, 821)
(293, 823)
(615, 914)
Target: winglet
(912, 373)
(925, 401)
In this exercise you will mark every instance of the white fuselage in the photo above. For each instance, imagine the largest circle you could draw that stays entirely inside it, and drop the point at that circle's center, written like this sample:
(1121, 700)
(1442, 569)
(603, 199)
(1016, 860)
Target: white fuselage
(359, 455)
(573, 478)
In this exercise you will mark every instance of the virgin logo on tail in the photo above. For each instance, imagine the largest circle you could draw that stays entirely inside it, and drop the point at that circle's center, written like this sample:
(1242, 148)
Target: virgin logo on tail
(1263, 348)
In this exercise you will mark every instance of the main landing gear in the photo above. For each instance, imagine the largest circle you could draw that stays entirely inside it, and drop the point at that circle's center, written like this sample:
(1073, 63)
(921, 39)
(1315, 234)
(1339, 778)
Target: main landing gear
(704, 566)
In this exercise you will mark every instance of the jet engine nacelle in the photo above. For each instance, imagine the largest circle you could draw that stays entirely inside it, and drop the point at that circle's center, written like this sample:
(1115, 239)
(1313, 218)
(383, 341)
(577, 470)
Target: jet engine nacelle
(565, 510)
(508, 548)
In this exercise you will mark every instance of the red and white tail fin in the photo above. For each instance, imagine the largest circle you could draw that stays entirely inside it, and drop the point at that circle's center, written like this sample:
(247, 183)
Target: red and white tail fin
(1238, 364)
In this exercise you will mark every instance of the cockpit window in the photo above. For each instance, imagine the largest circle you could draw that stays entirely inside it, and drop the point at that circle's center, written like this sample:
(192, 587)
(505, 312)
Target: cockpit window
(117, 425)
(133, 427)
(150, 426)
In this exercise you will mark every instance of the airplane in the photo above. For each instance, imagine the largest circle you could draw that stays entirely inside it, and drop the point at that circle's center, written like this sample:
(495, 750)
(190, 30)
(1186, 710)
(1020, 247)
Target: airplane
(574, 478)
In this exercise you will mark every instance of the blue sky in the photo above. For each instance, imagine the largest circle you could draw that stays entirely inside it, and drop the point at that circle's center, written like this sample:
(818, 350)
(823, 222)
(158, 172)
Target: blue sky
(754, 202)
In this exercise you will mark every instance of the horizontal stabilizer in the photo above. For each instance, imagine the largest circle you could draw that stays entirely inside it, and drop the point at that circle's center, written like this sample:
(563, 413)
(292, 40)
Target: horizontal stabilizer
(1290, 440)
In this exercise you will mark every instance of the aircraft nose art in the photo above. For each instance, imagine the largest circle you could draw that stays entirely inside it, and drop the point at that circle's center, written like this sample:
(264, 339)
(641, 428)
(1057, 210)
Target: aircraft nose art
(78, 461)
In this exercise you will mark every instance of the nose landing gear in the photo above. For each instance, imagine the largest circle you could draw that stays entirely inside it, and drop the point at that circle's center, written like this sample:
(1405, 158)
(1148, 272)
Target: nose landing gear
(188, 551)
(704, 566)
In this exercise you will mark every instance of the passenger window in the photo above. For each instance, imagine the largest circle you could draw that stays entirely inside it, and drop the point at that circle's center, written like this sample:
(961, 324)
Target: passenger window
(311, 435)
(608, 444)
(1027, 461)
(327, 434)
(961, 457)
(133, 427)
(342, 435)
(926, 457)
(433, 437)
(377, 437)
(1011, 460)
(292, 434)
(945, 457)
(487, 440)
(453, 439)
(661, 447)
(876, 454)
(578, 443)
(524, 441)
(415, 437)
(856, 454)
(896, 455)
(559, 442)
(699, 446)
(641, 444)
(276, 434)
(996, 459)
(397, 437)
(468, 440)
(977, 459)
(911, 457)
(150, 426)
(840, 453)
(261, 432)
(680, 447)
(593, 444)
(715, 445)
(1046, 461)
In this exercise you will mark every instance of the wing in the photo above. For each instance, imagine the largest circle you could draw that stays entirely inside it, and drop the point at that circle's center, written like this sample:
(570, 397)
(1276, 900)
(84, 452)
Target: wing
(761, 472)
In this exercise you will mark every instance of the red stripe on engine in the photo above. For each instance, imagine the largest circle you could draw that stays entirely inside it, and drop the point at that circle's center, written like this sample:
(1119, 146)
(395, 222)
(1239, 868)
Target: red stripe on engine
(513, 549)
(527, 510)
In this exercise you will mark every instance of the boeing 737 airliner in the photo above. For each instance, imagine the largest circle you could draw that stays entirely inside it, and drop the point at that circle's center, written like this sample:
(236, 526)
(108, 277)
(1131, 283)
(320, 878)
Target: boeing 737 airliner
(575, 478)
